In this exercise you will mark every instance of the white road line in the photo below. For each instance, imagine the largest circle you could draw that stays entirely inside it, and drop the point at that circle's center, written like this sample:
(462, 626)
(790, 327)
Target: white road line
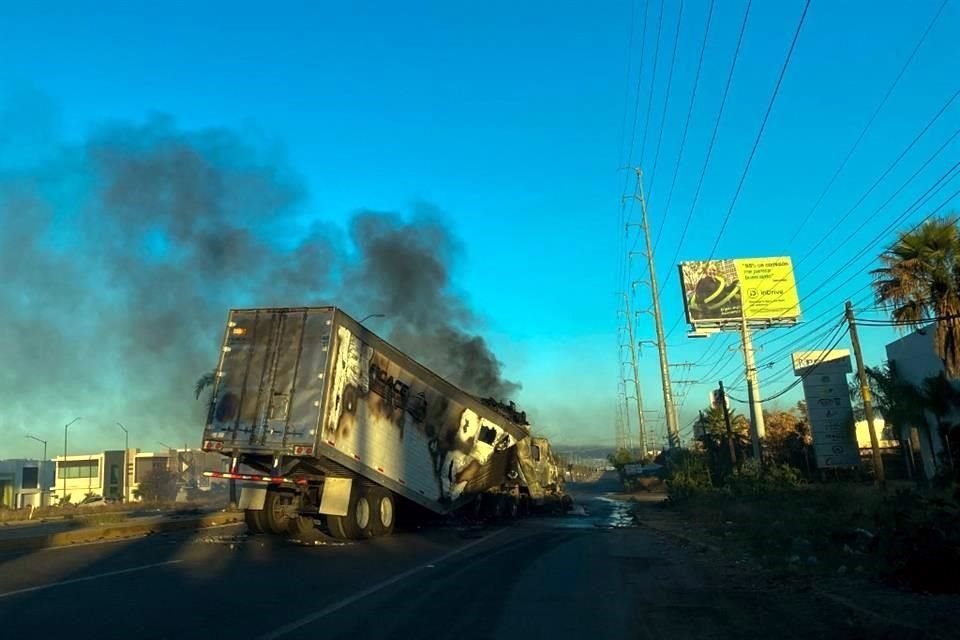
(88, 578)
(346, 602)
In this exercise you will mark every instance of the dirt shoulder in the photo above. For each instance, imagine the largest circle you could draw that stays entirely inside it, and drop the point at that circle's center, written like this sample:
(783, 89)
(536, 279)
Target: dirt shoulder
(775, 545)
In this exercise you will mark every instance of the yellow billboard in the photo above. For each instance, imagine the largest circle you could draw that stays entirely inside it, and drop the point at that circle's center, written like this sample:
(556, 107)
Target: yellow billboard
(718, 293)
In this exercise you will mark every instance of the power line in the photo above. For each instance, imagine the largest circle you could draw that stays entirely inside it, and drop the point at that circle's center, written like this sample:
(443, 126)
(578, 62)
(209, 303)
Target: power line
(686, 127)
(870, 190)
(869, 219)
(624, 211)
(920, 201)
(763, 125)
(923, 199)
(883, 175)
(653, 80)
(927, 217)
(941, 182)
(802, 376)
(870, 121)
(713, 140)
(666, 100)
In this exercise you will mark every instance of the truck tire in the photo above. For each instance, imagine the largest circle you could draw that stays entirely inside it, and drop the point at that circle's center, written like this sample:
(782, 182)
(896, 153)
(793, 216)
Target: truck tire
(254, 520)
(276, 511)
(383, 512)
(356, 524)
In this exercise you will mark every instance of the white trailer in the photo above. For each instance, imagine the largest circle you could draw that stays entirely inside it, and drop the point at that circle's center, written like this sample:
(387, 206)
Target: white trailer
(324, 421)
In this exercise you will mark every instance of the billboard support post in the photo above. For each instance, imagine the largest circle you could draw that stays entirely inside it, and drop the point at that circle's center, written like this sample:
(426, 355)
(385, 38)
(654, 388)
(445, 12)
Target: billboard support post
(878, 470)
(673, 431)
(753, 390)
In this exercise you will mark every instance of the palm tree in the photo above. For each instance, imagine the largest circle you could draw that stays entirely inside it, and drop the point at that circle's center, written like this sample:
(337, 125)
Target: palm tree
(204, 381)
(710, 430)
(900, 403)
(712, 424)
(920, 281)
(940, 397)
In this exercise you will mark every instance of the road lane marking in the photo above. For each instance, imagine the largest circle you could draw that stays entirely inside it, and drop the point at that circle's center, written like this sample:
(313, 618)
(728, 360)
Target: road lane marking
(346, 602)
(88, 578)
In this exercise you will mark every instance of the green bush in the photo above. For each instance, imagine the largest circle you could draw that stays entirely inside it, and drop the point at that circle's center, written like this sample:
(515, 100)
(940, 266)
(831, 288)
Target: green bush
(753, 480)
(688, 474)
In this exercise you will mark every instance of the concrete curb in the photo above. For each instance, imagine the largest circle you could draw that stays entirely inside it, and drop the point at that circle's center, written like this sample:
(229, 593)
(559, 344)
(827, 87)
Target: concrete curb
(117, 531)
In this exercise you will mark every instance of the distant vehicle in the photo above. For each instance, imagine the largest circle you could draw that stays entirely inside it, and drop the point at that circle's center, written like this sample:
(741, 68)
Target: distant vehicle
(92, 502)
(323, 420)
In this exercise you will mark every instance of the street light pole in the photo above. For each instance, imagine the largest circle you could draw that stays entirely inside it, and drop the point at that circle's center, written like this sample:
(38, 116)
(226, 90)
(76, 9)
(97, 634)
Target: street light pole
(44, 442)
(371, 315)
(63, 467)
(126, 464)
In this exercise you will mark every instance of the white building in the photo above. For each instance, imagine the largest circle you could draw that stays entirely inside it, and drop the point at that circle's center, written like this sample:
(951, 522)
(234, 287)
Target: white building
(25, 483)
(916, 360)
(144, 464)
(99, 474)
(886, 437)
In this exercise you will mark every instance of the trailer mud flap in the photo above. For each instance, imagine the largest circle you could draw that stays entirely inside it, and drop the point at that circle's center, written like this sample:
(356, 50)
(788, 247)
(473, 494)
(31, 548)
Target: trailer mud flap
(336, 496)
(252, 497)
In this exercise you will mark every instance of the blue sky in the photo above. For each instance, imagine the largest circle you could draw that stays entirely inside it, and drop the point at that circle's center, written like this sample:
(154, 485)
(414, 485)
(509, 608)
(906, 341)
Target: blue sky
(509, 118)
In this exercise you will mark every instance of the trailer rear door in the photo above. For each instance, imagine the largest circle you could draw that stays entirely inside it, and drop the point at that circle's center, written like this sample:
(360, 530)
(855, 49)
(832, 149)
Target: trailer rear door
(269, 388)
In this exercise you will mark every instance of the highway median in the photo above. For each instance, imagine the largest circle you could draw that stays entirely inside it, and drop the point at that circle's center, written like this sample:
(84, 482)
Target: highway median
(119, 531)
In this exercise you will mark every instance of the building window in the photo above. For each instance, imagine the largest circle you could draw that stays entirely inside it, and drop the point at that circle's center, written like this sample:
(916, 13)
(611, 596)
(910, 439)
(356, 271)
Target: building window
(146, 466)
(78, 469)
(535, 452)
(31, 478)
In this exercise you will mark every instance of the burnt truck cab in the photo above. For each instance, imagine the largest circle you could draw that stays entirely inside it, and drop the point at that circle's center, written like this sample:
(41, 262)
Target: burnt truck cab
(539, 476)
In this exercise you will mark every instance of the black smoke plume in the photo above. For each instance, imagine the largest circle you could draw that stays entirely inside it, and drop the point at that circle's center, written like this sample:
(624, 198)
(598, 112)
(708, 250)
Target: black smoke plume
(119, 257)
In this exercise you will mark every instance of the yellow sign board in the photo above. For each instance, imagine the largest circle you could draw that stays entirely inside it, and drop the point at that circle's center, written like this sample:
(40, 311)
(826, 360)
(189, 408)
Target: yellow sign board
(722, 292)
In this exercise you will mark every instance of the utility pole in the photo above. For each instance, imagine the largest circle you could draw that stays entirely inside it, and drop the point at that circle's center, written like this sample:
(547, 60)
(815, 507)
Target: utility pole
(126, 462)
(63, 469)
(726, 422)
(636, 377)
(627, 429)
(753, 390)
(670, 411)
(880, 476)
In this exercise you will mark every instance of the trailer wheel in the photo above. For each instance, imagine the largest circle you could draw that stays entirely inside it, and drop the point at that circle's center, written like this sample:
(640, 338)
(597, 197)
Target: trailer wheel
(384, 512)
(254, 520)
(276, 511)
(356, 524)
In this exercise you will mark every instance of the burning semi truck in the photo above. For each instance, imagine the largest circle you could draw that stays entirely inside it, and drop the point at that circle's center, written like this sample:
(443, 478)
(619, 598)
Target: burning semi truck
(325, 423)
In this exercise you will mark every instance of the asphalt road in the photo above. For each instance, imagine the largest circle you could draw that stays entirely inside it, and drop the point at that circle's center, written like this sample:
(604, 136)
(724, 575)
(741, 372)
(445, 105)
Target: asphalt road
(579, 576)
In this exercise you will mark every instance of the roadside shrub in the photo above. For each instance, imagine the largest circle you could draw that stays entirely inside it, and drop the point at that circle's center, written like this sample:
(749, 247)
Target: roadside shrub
(918, 540)
(753, 480)
(687, 474)
(160, 485)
